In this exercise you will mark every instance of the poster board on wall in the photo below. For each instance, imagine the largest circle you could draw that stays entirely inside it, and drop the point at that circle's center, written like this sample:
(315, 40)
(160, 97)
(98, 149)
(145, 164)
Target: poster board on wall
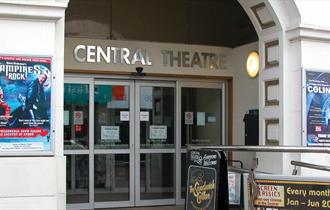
(25, 105)
(316, 107)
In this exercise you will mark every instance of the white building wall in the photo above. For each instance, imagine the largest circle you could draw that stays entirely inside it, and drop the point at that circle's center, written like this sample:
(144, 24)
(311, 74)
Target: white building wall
(303, 35)
(35, 28)
(245, 97)
(315, 56)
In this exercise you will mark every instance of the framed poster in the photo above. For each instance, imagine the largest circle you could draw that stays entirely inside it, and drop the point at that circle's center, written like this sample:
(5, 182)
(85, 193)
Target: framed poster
(280, 192)
(25, 105)
(316, 106)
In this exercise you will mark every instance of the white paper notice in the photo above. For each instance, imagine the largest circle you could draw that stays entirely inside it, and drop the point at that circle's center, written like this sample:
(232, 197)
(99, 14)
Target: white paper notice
(22, 146)
(158, 132)
(188, 118)
(144, 116)
(78, 118)
(211, 119)
(110, 133)
(66, 117)
(124, 116)
(201, 118)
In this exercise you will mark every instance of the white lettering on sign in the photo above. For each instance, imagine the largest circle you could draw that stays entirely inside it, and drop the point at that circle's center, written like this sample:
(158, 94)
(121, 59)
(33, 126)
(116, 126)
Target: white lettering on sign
(137, 56)
(116, 55)
(318, 89)
(194, 59)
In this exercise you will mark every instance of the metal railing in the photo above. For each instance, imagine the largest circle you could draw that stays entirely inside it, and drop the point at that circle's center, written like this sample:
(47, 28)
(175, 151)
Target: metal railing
(282, 149)
(311, 166)
(242, 148)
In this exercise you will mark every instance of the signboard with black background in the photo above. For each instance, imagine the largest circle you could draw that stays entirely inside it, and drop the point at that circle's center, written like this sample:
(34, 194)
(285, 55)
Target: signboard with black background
(293, 193)
(207, 184)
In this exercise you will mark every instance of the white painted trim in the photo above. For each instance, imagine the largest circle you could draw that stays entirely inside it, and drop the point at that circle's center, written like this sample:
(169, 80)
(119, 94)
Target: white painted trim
(308, 32)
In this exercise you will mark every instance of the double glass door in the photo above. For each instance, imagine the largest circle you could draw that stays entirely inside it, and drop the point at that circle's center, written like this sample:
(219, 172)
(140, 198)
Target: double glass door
(126, 154)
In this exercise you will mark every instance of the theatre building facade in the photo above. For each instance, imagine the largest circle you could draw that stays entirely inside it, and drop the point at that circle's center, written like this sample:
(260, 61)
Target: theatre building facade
(128, 86)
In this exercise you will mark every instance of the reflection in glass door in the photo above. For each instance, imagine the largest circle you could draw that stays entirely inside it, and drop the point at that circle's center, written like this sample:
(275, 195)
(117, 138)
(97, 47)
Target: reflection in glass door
(113, 153)
(77, 136)
(155, 143)
(202, 118)
(123, 144)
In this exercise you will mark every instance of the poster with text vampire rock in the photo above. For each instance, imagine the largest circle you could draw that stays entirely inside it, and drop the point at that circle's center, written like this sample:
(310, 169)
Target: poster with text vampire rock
(25, 105)
(318, 108)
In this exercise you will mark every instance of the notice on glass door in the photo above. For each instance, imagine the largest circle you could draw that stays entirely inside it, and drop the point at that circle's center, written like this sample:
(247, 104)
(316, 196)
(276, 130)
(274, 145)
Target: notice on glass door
(201, 118)
(144, 116)
(110, 133)
(124, 116)
(188, 118)
(66, 118)
(158, 132)
(78, 118)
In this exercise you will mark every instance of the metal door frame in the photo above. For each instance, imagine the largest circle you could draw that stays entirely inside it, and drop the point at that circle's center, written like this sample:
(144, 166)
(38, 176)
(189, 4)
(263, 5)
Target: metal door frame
(89, 151)
(177, 151)
(221, 85)
(138, 150)
(129, 151)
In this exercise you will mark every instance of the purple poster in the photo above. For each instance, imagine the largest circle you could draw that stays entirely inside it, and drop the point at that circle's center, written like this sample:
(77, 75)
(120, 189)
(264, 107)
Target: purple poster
(318, 108)
(25, 105)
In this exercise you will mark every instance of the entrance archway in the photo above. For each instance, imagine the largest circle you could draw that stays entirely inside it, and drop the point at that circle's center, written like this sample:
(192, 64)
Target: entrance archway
(278, 123)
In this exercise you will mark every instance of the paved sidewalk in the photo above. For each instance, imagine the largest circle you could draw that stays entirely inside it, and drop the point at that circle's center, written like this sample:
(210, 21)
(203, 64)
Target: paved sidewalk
(151, 208)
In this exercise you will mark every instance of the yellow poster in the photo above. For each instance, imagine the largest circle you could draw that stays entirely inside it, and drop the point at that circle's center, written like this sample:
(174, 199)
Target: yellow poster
(270, 195)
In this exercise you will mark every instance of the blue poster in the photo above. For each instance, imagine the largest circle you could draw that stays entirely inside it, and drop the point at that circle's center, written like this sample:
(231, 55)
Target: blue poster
(25, 104)
(318, 108)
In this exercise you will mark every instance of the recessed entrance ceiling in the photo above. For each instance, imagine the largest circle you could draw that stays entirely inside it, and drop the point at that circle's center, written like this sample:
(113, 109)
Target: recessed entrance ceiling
(205, 22)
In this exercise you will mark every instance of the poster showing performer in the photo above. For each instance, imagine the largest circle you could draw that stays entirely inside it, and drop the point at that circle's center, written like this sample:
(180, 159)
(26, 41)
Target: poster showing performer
(25, 104)
(317, 108)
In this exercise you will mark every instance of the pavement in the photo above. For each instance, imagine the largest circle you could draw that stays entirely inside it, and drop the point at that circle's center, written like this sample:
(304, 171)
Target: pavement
(151, 208)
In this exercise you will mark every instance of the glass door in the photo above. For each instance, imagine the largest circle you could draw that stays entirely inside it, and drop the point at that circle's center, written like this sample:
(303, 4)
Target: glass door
(125, 141)
(113, 144)
(77, 135)
(155, 143)
(203, 120)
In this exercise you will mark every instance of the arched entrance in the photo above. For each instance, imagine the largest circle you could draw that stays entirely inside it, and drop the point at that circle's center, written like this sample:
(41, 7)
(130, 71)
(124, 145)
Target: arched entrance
(97, 158)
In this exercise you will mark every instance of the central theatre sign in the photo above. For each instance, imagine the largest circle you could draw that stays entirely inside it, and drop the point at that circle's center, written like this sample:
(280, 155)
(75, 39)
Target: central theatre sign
(170, 58)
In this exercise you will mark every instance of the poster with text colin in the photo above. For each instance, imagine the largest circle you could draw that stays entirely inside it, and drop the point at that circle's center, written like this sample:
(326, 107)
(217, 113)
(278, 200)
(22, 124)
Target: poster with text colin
(25, 104)
(317, 108)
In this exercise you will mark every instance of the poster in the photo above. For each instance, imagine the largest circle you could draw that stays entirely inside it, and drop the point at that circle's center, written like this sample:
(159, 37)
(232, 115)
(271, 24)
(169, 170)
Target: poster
(317, 108)
(234, 188)
(293, 194)
(270, 196)
(207, 180)
(202, 188)
(25, 104)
